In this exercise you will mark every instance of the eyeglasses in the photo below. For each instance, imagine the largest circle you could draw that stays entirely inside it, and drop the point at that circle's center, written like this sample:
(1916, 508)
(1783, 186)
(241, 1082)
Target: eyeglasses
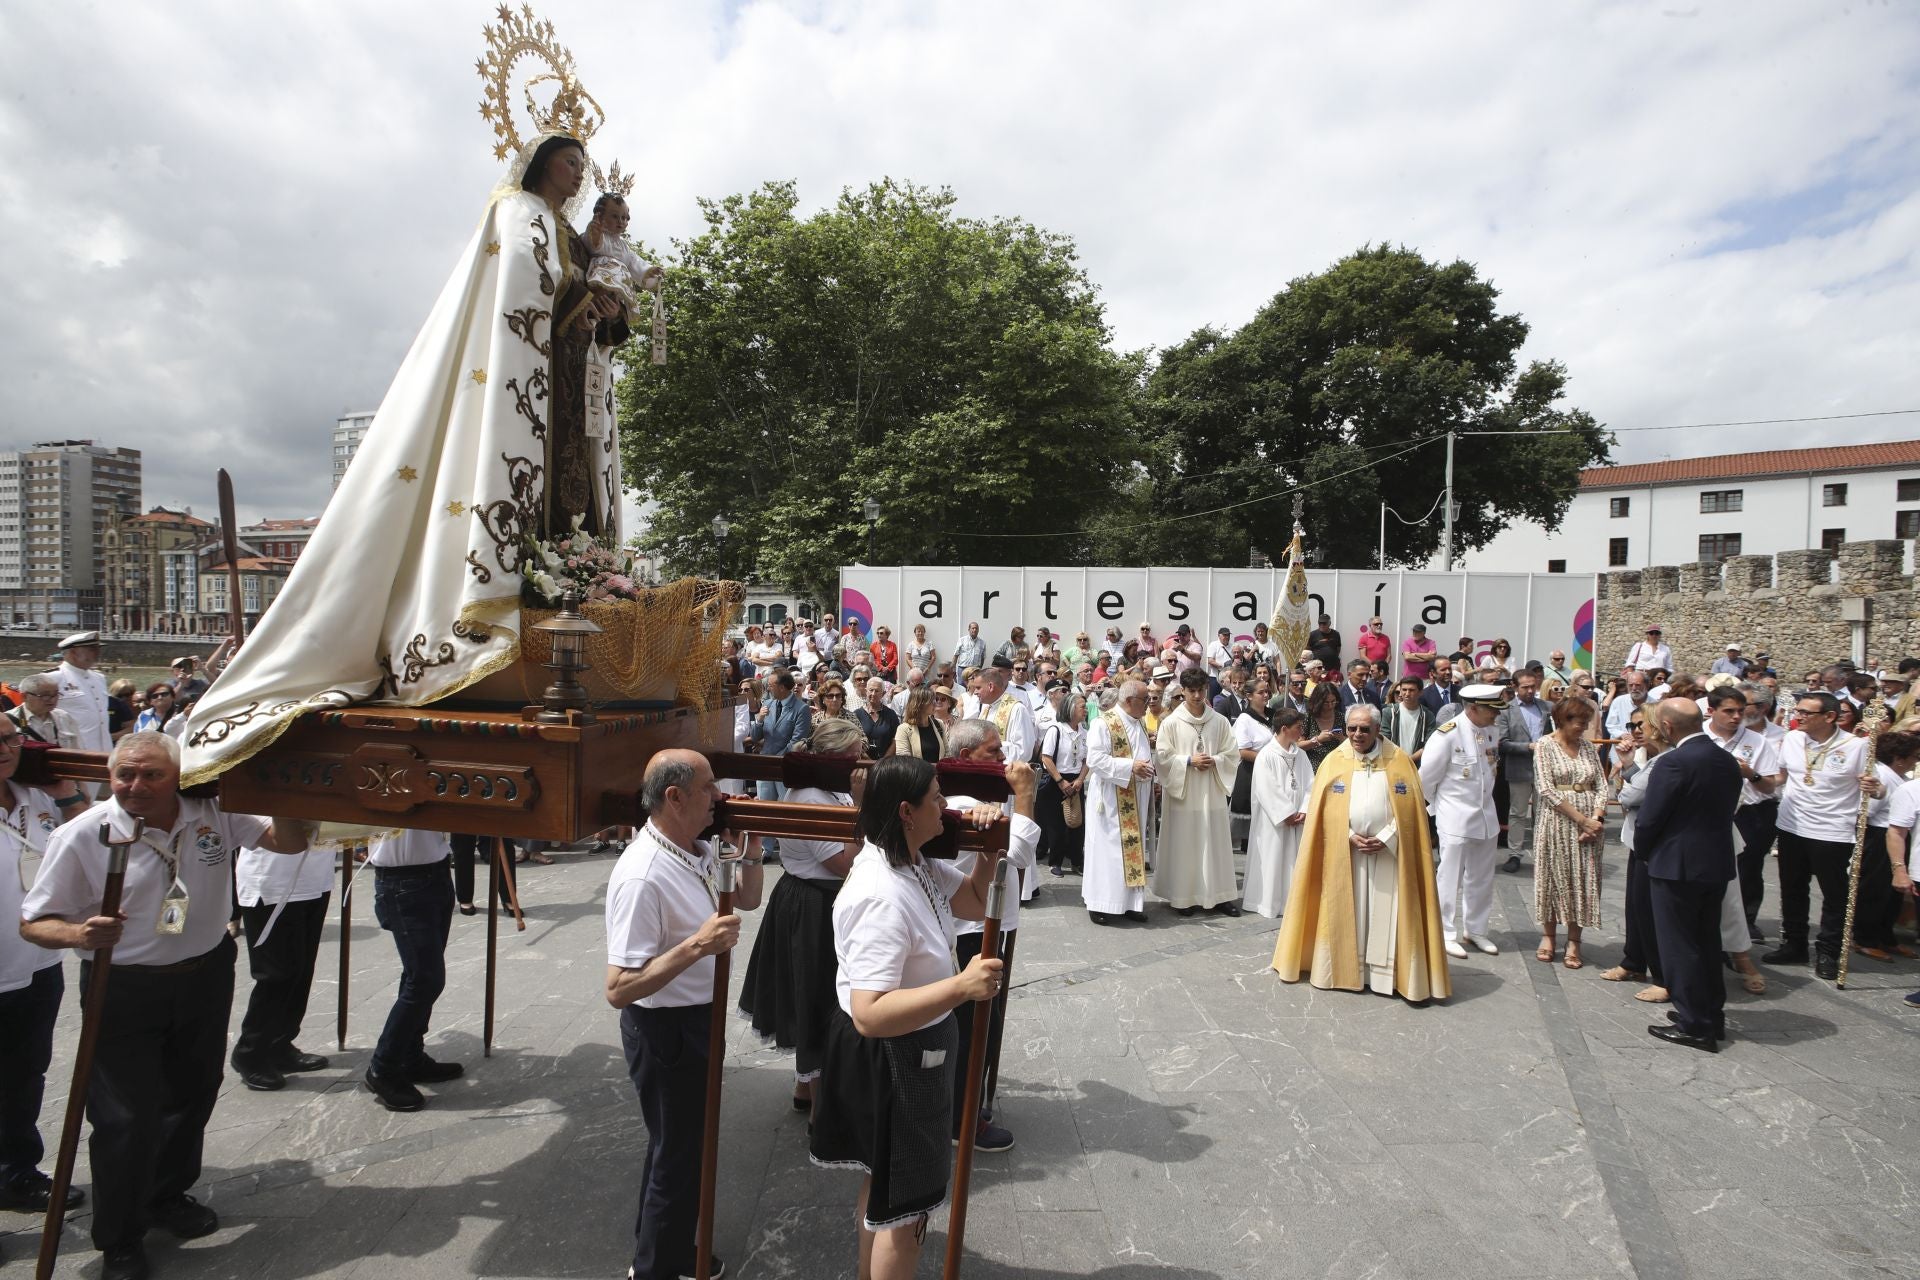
(833, 693)
(1359, 729)
(1813, 711)
(11, 742)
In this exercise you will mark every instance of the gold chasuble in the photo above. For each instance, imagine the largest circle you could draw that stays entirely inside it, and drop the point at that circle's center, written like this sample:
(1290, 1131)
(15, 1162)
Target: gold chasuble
(1319, 937)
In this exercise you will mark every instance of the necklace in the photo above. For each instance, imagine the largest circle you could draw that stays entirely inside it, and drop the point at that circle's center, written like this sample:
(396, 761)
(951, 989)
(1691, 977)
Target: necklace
(1817, 758)
(942, 914)
(706, 879)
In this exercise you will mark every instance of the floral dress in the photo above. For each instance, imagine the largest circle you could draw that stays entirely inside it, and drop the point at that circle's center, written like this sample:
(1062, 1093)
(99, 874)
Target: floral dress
(1566, 873)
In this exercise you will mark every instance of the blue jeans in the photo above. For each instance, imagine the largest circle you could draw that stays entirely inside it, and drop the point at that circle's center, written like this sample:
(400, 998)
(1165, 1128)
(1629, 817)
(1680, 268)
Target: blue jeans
(26, 1047)
(770, 791)
(415, 905)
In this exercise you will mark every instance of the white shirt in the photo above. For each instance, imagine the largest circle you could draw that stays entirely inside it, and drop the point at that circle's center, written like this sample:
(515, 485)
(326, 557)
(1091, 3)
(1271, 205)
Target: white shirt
(1251, 733)
(1645, 657)
(1457, 769)
(265, 876)
(1617, 714)
(1757, 751)
(803, 857)
(1879, 809)
(1829, 807)
(1219, 657)
(1067, 746)
(656, 901)
(198, 846)
(83, 695)
(893, 926)
(823, 639)
(1023, 842)
(392, 849)
(23, 840)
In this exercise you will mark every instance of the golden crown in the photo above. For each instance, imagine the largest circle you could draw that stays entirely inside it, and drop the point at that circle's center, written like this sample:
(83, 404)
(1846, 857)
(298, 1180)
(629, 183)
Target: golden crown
(571, 111)
(613, 182)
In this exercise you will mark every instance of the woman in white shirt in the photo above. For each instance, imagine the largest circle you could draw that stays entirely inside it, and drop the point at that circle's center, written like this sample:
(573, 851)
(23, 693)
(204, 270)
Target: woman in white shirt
(1879, 906)
(886, 1096)
(805, 656)
(919, 654)
(788, 993)
(1252, 732)
(1063, 754)
(1282, 783)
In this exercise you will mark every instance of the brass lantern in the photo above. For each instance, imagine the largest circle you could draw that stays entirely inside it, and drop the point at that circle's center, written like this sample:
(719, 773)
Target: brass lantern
(566, 698)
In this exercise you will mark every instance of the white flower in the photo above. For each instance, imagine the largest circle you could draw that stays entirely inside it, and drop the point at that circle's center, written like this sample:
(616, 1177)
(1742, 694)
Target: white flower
(545, 585)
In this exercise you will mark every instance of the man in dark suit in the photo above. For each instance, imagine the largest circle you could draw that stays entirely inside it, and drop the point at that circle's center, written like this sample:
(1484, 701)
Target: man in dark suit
(1357, 688)
(1685, 827)
(1439, 690)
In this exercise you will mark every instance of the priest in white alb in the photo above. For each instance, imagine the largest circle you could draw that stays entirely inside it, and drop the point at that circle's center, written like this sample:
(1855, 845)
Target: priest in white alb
(1363, 913)
(1196, 756)
(1120, 783)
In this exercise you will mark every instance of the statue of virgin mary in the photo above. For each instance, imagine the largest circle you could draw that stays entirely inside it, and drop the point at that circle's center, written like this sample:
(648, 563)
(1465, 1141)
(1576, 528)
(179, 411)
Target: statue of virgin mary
(410, 588)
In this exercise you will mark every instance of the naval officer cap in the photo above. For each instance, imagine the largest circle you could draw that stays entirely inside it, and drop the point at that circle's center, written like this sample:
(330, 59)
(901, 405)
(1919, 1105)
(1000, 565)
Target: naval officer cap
(1484, 695)
(78, 639)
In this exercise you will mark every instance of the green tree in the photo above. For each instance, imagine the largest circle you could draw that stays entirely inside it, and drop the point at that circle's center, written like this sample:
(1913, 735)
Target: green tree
(956, 370)
(1349, 380)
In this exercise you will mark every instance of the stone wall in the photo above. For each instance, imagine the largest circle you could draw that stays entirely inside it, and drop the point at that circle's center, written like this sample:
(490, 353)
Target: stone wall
(1788, 605)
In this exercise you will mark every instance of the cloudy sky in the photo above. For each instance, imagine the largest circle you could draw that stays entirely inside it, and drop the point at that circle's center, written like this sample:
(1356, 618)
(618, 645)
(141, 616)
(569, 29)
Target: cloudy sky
(226, 220)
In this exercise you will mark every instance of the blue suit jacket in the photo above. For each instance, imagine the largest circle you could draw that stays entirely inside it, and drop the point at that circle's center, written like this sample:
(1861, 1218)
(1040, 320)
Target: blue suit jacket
(788, 720)
(1685, 825)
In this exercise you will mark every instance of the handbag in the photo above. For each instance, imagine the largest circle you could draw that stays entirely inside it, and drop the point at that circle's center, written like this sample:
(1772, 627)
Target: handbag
(1073, 807)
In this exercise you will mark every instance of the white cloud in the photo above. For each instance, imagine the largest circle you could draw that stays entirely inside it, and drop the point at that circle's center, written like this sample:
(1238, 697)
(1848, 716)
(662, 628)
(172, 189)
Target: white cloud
(226, 220)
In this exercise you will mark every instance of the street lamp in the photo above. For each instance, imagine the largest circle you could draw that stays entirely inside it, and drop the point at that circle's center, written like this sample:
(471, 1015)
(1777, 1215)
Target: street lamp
(719, 527)
(871, 510)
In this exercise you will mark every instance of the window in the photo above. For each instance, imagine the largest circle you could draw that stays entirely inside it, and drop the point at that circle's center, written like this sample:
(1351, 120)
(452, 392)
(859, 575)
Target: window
(1830, 539)
(1556, 566)
(1616, 552)
(1907, 491)
(777, 614)
(1715, 547)
(1617, 508)
(1716, 501)
(1906, 524)
(757, 614)
(1833, 495)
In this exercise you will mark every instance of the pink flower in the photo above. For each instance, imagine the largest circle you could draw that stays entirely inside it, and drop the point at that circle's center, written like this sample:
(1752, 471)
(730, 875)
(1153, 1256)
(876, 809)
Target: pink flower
(620, 582)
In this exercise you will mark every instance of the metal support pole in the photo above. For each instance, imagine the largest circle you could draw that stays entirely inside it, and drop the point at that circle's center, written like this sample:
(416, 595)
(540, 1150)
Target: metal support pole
(1447, 562)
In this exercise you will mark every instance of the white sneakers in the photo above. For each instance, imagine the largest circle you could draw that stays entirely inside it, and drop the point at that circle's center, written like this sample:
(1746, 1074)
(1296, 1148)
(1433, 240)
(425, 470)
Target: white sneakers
(1455, 950)
(1483, 944)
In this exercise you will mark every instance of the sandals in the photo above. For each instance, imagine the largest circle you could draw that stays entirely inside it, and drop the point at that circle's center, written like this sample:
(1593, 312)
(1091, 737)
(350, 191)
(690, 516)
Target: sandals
(1755, 982)
(1653, 995)
(1620, 973)
(1573, 960)
(1545, 953)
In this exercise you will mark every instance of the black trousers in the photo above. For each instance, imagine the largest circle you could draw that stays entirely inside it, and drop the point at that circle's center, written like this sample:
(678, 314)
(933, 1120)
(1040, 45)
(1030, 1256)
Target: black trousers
(470, 849)
(26, 1047)
(1641, 952)
(667, 1061)
(1802, 861)
(1757, 826)
(1686, 916)
(1060, 844)
(156, 1075)
(966, 947)
(282, 969)
(415, 905)
(1879, 905)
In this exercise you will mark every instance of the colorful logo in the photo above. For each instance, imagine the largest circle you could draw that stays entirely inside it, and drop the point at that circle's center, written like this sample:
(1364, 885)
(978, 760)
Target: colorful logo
(1583, 637)
(857, 610)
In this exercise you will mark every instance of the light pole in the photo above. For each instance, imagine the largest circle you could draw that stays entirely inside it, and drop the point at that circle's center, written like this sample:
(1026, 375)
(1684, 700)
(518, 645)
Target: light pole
(871, 510)
(719, 527)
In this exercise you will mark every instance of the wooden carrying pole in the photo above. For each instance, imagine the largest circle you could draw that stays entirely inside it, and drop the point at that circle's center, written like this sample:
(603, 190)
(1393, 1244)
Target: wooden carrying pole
(976, 1078)
(716, 1058)
(230, 543)
(346, 943)
(90, 1012)
(1874, 720)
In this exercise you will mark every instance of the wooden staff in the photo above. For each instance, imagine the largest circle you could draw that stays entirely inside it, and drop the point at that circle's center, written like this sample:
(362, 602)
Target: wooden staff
(230, 543)
(1874, 719)
(90, 1013)
(716, 1056)
(494, 864)
(346, 943)
(976, 1076)
(984, 780)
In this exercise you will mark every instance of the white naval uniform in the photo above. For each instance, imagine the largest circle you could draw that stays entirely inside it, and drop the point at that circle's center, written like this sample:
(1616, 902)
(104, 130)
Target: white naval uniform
(83, 695)
(1456, 773)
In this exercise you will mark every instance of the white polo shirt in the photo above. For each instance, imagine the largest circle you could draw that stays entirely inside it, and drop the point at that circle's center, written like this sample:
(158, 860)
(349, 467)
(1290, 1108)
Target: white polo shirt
(1023, 841)
(262, 875)
(658, 896)
(1903, 811)
(24, 833)
(803, 857)
(1757, 751)
(393, 849)
(198, 848)
(893, 927)
(1829, 807)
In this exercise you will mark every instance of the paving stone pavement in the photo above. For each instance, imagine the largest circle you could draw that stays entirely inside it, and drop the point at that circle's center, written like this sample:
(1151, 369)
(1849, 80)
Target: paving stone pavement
(1179, 1112)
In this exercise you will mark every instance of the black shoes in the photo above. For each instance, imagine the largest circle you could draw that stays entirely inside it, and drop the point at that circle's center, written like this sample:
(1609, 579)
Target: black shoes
(426, 1071)
(1141, 916)
(293, 1062)
(1512, 863)
(32, 1191)
(1674, 1035)
(1786, 953)
(1719, 1032)
(1099, 917)
(1186, 911)
(124, 1262)
(186, 1218)
(1227, 908)
(259, 1077)
(394, 1095)
(1827, 967)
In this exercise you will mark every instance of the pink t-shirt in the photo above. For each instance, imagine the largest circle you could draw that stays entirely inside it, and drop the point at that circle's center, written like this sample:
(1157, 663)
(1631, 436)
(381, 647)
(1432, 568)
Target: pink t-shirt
(1374, 646)
(1416, 656)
